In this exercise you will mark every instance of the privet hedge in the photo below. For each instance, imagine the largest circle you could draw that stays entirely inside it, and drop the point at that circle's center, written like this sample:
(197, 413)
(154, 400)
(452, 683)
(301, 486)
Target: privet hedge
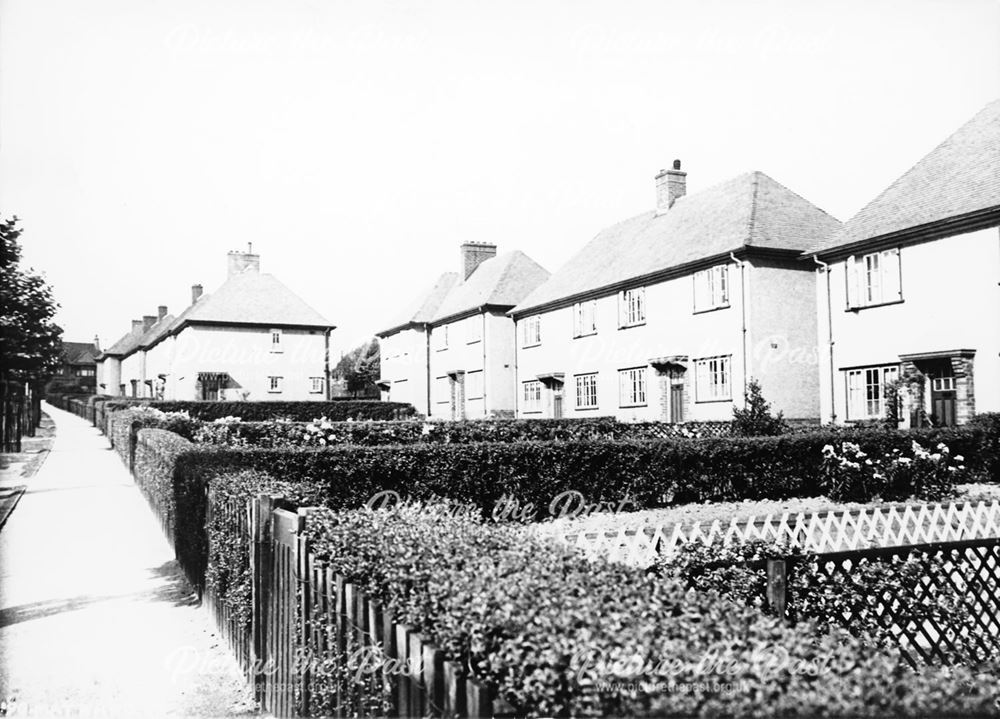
(556, 635)
(339, 410)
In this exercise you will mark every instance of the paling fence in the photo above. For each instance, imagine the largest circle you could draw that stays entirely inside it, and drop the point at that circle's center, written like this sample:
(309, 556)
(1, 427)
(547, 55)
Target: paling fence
(641, 543)
(946, 611)
(20, 414)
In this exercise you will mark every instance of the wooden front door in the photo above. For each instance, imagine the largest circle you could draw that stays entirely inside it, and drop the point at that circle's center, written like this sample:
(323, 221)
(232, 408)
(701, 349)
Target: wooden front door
(943, 401)
(677, 402)
(557, 400)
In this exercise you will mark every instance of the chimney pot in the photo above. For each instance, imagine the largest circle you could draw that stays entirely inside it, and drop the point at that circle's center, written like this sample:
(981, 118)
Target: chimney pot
(196, 291)
(97, 342)
(671, 185)
(475, 254)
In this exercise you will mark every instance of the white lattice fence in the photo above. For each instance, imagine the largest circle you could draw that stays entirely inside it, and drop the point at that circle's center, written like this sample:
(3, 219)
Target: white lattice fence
(821, 532)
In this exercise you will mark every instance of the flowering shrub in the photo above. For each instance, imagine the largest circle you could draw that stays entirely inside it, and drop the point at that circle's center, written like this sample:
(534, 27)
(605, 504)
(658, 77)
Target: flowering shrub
(853, 474)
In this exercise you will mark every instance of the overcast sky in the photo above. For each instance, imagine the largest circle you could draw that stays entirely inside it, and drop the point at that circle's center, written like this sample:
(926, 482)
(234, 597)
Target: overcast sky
(357, 144)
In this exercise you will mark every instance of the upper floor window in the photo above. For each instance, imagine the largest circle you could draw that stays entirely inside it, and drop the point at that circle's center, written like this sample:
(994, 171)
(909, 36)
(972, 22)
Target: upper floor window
(441, 337)
(713, 379)
(586, 391)
(632, 307)
(866, 391)
(585, 318)
(274, 384)
(874, 279)
(474, 385)
(632, 386)
(532, 396)
(276, 340)
(531, 331)
(711, 288)
(474, 329)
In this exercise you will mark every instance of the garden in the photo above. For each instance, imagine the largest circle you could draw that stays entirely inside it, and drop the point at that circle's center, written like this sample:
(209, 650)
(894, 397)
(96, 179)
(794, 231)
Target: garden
(539, 628)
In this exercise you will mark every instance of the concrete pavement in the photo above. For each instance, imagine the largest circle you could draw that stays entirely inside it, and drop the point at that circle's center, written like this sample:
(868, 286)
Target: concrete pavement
(95, 616)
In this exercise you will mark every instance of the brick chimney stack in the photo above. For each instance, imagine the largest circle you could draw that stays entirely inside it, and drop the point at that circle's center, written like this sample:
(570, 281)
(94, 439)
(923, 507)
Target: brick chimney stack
(161, 312)
(136, 325)
(196, 291)
(240, 262)
(97, 343)
(147, 322)
(671, 185)
(475, 254)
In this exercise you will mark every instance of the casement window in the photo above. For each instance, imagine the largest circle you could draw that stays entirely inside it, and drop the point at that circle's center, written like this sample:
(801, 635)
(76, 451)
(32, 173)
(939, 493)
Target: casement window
(276, 340)
(711, 288)
(474, 329)
(442, 390)
(713, 379)
(632, 307)
(531, 331)
(531, 397)
(474, 385)
(632, 387)
(866, 390)
(274, 384)
(440, 335)
(874, 279)
(585, 318)
(316, 385)
(586, 391)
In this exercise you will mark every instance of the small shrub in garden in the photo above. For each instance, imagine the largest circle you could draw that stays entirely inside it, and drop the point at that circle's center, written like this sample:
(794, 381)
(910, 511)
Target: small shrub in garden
(755, 419)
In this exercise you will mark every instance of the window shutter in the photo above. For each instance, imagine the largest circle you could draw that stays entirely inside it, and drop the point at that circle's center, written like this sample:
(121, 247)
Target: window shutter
(700, 289)
(892, 289)
(852, 270)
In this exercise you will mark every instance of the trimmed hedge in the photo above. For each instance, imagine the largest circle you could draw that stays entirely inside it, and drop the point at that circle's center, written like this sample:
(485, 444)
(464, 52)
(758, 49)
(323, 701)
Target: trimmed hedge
(154, 470)
(336, 410)
(556, 635)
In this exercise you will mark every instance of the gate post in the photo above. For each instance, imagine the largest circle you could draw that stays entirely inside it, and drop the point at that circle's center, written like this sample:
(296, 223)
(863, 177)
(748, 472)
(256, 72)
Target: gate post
(777, 587)
(260, 567)
(305, 653)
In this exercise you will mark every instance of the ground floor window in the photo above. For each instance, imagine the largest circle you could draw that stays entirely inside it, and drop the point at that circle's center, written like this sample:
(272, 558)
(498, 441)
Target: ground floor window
(866, 390)
(274, 384)
(442, 390)
(532, 396)
(713, 379)
(632, 386)
(586, 391)
(316, 385)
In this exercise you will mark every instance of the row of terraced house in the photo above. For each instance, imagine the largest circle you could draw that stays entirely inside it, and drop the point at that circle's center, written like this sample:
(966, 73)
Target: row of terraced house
(668, 315)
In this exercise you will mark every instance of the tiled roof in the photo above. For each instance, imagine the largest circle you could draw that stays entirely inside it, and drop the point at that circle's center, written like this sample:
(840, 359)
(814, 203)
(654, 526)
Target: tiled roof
(79, 352)
(256, 298)
(426, 304)
(503, 280)
(959, 176)
(125, 344)
(158, 330)
(750, 210)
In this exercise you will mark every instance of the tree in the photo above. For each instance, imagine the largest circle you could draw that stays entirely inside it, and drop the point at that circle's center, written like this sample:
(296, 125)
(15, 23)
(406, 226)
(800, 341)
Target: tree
(360, 369)
(755, 419)
(30, 341)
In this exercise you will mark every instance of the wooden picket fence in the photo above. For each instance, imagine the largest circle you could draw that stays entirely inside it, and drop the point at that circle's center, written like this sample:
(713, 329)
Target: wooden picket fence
(833, 531)
(310, 628)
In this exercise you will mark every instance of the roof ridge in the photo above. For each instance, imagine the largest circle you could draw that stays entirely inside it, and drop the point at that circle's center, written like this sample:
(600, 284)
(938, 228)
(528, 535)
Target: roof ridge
(752, 220)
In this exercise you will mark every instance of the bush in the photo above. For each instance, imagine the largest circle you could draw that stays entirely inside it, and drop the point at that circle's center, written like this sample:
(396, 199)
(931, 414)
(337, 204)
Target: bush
(755, 418)
(339, 410)
(154, 469)
(555, 635)
(852, 474)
